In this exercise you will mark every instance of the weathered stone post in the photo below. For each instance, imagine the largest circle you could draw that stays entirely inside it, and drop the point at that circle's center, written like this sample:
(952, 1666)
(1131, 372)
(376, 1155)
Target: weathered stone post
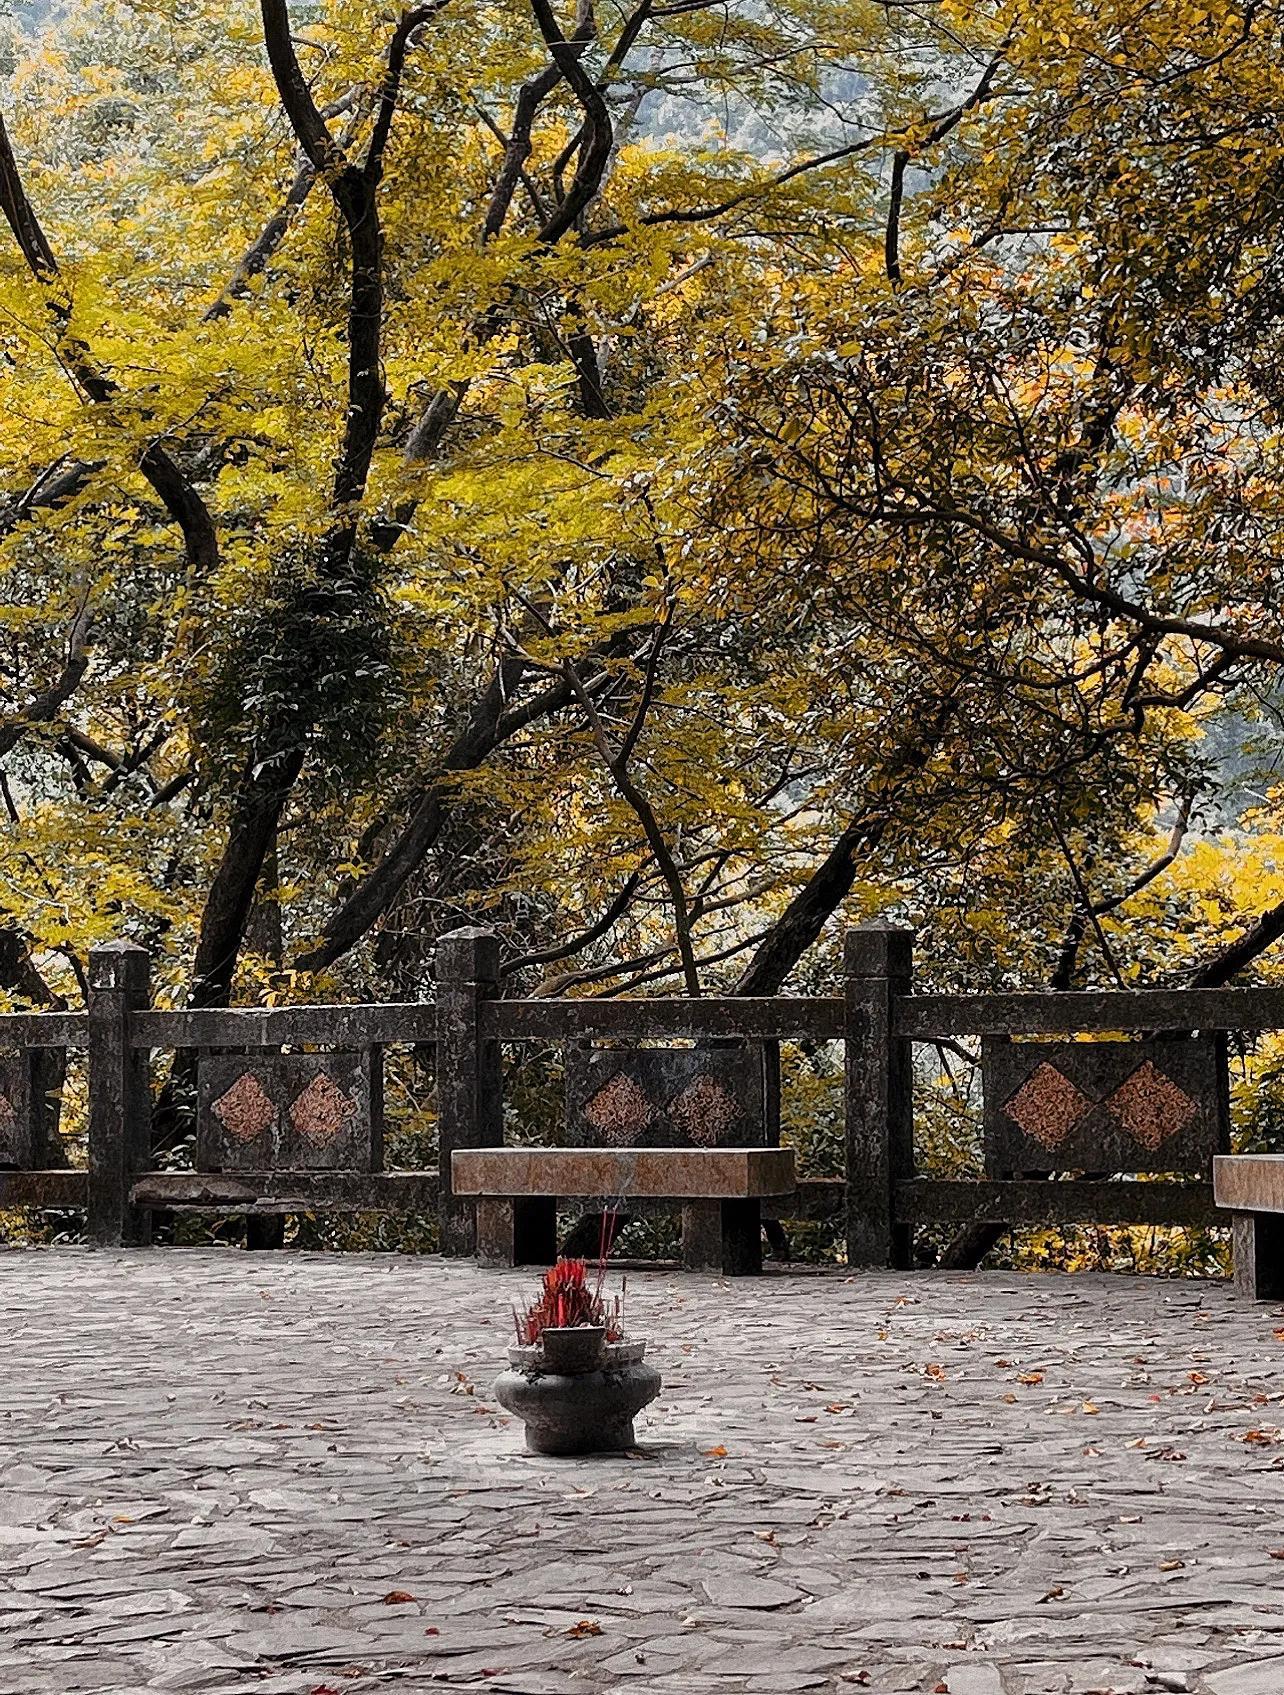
(470, 1086)
(879, 1094)
(119, 1097)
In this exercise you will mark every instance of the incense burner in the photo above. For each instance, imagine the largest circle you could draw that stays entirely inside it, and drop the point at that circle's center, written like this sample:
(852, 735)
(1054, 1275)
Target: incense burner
(577, 1393)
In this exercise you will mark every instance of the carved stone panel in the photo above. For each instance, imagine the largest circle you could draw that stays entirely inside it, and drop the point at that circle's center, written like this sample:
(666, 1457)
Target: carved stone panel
(702, 1097)
(1157, 1105)
(301, 1112)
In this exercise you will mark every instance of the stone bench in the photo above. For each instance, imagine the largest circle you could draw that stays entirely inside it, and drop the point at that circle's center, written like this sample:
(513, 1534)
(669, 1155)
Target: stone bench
(721, 1190)
(1251, 1188)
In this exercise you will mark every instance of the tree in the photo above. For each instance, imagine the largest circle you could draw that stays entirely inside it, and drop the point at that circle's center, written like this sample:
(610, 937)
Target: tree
(657, 479)
(495, 278)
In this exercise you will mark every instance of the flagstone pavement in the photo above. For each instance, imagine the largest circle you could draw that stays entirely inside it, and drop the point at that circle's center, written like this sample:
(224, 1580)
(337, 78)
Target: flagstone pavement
(279, 1474)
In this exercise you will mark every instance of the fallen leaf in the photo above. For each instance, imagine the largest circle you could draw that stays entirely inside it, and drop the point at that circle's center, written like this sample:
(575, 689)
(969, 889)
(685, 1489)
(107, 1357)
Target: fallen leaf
(1089, 1407)
(1172, 1565)
(1030, 1378)
(1010, 1398)
(432, 1631)
(585, 1627)
(397, 1598)
(837, 1407)
(936, 1372)
(718, 1453)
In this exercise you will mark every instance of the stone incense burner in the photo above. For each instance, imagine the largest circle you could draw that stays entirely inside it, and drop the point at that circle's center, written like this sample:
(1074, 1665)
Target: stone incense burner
(576, 1392)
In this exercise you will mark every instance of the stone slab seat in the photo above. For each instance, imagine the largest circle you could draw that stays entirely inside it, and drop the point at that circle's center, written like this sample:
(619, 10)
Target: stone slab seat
(1251, 1188)
(721, 1189)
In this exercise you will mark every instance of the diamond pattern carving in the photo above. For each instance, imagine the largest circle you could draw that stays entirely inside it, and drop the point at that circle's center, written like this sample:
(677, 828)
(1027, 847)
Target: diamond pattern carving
(1151, 1107)
(1048, 1106)
(619, 1111)
(322, 1110)
(245, 1111)
(704, 1111)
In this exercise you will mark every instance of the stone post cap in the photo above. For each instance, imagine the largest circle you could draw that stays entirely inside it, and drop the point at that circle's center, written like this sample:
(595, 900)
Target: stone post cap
(469, 954)
(119, 965)
(879, 949)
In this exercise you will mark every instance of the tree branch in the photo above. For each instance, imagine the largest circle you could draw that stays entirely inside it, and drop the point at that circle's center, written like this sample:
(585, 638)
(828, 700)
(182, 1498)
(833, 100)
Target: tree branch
(43, 706)
(891, 244)
(585, 938)
(617, 765)
(407, 24)
(1264, 931)
(180, 499)
(1063, 976)
(323, 151)
(596, 154)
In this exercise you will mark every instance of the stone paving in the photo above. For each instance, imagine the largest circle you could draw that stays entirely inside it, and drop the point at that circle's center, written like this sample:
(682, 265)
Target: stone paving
(284, 1475)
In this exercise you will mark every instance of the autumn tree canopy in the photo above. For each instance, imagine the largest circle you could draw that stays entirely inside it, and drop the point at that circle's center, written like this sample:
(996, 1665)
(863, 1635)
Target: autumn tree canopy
(655, 479)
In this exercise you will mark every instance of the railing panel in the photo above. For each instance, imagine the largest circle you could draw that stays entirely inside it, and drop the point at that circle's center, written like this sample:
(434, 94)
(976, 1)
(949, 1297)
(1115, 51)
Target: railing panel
(1156, 1105)
(298, 1111)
